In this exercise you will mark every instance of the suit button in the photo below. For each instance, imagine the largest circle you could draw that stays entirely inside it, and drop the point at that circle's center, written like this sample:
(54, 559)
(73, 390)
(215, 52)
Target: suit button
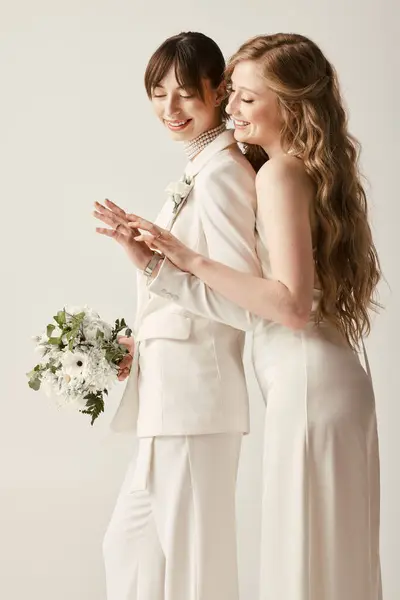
(168, 295)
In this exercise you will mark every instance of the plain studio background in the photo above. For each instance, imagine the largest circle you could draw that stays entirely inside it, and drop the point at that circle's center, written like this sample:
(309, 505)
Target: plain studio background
(76, 126)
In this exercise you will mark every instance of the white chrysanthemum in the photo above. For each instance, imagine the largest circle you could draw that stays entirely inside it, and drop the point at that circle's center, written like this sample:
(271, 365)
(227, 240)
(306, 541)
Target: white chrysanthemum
(91, 327)
(49, 383)
(76, 310)
(102, 373)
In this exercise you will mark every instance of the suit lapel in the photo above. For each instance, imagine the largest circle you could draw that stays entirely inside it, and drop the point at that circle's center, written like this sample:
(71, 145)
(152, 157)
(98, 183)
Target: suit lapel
(166, 217)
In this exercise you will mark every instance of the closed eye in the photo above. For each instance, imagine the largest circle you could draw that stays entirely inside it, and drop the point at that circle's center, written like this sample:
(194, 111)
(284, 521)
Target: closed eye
(231, 90)
(165, 95)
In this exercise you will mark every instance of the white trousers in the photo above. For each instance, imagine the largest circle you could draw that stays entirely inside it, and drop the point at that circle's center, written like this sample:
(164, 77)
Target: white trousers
(320, 505)
(172, 535)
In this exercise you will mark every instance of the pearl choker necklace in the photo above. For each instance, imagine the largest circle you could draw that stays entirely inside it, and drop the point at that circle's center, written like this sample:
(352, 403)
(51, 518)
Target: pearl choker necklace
(195, 146)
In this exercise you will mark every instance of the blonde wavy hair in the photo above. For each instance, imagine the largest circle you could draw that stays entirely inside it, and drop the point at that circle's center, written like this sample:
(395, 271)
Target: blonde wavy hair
(315, 129)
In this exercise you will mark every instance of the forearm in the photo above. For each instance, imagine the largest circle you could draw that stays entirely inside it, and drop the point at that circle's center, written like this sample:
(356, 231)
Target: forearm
(267, 298)
(195, 296)
(226, 211)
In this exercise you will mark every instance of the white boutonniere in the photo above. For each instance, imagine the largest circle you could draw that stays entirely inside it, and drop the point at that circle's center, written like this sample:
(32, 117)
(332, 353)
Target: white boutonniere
(178, 191)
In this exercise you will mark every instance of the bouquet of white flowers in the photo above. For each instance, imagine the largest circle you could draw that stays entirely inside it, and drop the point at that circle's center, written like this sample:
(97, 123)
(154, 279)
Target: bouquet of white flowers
(80, 355)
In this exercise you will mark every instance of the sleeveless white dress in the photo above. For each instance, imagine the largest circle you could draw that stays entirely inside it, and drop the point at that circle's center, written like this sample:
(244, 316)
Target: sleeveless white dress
(320, 506)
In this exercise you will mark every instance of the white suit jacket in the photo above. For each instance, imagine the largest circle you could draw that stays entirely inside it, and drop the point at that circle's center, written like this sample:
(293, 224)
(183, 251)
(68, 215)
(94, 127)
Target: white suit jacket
(188, 376)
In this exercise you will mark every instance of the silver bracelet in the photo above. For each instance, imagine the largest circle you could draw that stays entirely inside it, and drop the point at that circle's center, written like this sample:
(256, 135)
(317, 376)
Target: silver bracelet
(153, 262)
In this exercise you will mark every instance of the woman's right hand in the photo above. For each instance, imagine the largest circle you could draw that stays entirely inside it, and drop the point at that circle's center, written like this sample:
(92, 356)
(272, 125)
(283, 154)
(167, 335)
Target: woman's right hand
(126, 362)
(122, 232)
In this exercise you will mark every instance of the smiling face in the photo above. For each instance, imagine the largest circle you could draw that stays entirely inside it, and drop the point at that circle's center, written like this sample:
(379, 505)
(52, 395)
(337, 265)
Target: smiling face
(182, 111)
(254, 107)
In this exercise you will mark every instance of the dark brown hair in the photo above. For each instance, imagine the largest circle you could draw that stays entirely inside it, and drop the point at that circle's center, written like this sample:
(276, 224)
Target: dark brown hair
(194, 57)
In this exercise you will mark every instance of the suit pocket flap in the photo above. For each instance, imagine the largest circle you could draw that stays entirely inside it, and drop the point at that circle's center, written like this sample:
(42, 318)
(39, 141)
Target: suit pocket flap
(171, 326)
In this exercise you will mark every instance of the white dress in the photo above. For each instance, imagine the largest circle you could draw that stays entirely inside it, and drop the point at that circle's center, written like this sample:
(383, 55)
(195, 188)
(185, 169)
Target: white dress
(320, 506)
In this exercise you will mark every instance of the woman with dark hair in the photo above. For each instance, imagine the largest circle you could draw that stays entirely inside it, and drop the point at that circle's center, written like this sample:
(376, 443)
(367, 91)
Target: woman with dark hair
(172, 535)
(320, 522)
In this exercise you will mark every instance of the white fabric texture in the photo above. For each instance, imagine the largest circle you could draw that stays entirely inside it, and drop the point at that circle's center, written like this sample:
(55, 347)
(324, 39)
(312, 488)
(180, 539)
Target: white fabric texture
(172, 535)
(188, 377)
(321, 507)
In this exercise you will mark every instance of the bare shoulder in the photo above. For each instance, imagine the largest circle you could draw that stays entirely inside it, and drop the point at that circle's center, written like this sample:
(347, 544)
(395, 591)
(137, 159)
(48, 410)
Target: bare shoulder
(284, 175)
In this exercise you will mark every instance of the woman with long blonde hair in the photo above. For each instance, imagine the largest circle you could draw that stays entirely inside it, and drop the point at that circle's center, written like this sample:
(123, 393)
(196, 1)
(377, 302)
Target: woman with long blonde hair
(320, 507)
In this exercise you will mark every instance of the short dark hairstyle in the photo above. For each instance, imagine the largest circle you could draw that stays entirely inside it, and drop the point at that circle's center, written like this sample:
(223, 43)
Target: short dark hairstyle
(194, 57)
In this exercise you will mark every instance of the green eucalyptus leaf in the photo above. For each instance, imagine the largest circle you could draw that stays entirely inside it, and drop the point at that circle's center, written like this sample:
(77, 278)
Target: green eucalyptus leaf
(32, 373)
(79, 317)
(34, 384)
(60, 318)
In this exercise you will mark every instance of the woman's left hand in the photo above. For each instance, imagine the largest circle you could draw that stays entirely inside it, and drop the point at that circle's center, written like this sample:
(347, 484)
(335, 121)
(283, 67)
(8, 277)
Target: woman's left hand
(160, 239)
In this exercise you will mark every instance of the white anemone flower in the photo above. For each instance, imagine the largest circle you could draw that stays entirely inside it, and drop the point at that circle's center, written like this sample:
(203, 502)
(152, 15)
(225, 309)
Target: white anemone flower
(74, 364)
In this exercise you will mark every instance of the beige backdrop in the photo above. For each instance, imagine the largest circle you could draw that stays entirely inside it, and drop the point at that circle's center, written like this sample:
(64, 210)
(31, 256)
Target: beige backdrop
(76, 127)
